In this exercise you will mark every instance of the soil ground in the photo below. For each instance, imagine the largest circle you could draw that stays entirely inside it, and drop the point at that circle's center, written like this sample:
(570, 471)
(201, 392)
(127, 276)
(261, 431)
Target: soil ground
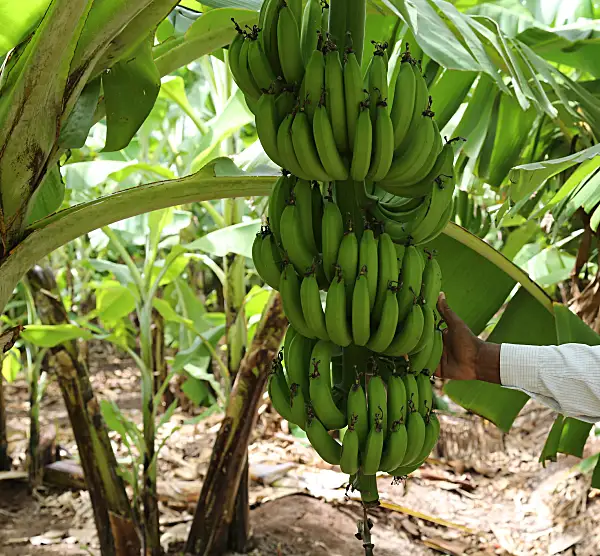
(481, 493)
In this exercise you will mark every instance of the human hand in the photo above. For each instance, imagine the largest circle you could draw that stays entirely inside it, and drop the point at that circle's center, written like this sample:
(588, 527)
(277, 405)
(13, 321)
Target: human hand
(461, 346)
(465, 356)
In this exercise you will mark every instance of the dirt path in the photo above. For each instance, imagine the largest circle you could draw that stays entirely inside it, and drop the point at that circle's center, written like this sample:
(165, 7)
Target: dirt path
(484, 493)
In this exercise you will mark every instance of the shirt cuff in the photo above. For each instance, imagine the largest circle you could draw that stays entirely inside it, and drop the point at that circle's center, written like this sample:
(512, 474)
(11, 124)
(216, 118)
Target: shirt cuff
(519, 367)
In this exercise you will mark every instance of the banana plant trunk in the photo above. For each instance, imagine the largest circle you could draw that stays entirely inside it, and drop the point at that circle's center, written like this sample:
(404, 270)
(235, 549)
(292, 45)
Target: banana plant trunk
(217, 504)
(236, 330)
(5, 461)
(34, 470)
(160, 370)
(112, 512)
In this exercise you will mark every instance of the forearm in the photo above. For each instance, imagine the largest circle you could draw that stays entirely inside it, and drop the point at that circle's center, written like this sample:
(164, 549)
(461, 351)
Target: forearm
(566, 377)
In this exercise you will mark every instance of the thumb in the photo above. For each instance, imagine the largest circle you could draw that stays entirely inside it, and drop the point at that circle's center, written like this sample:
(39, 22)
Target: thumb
(447, 314)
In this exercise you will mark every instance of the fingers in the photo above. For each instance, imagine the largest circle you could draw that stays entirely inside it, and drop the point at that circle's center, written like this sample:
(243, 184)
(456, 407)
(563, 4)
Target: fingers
(447, 314)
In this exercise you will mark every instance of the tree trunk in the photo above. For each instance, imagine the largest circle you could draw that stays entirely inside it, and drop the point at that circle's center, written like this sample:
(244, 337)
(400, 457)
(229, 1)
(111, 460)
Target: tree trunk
(33, 463)
(216, 506)
(5, 461)
(112, 512)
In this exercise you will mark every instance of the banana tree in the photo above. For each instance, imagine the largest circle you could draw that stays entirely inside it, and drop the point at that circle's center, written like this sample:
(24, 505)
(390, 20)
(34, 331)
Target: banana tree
(85, 60)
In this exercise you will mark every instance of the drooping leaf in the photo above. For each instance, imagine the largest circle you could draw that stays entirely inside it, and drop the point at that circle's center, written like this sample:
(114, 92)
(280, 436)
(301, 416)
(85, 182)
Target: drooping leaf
(74, 132)
(120, 271)
(51, 335)
(196, 390)
(48, 197)
(448, 93)
(526, 178)
(11, 364)
(550, 450)
(574, 436)
(232, 239)
(571, 329)
(168, 313)
(212, 30)
(114, 301)
(130, 90)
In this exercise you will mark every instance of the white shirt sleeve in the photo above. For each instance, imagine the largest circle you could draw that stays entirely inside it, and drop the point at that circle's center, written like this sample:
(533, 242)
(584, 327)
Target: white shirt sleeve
(565, 378)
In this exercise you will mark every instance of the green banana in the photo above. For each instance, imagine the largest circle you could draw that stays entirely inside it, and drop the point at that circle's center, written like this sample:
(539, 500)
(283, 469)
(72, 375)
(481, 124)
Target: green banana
(334, 98)
(403, 471)
(324, 138)
(280, 196)
(290, 333)
(257, 253)
(259, 64)
(305, 148)
(377, 79)
(374, 447)
(447, 214)
(234, 60)
(288, 45)
(427, 335)
(354, 96)
(425, 394)
(284, 105)
(377, 403)
(324, 17)
(246, 81)
(437, 348)
(311, 25)
(297, 351)
(279, 392)
(333, 231)
(412, 394)
(418, 189)
(311, 306)
(367, 486)
(368, 256)
(320, 387)
(387, 273)
(418, 156)
(383, 147)
(347, 260)
(395, 449)
(313, 83)
(415, 429)
(271, 260)
(304, 202)
(335, 312)
(267, 125)
(285, 148)
(397, 403)
(349, 462)
(401, 176)
(357, 406)
(325, 445)
(432, 282)
(410, 278)
(421, 104)
(298, 405)
(432, 433)
(384, 334)
(289, 287)
(363, 144)
(441, 200)
(409, 334)
(404, 100)
(293, 241)
(361, 326)
(269, 14)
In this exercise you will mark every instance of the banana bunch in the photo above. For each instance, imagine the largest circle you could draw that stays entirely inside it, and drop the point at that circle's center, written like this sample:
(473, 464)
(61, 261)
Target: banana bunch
(470, 214)
(389, 425)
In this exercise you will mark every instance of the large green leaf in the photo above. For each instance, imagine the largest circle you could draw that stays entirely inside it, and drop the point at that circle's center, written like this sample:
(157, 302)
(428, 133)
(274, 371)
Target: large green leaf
(19, 17)
(579, 47)
(130, 90)
(52, 335)
(236, 239)
(212, 30)
(48, 196)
